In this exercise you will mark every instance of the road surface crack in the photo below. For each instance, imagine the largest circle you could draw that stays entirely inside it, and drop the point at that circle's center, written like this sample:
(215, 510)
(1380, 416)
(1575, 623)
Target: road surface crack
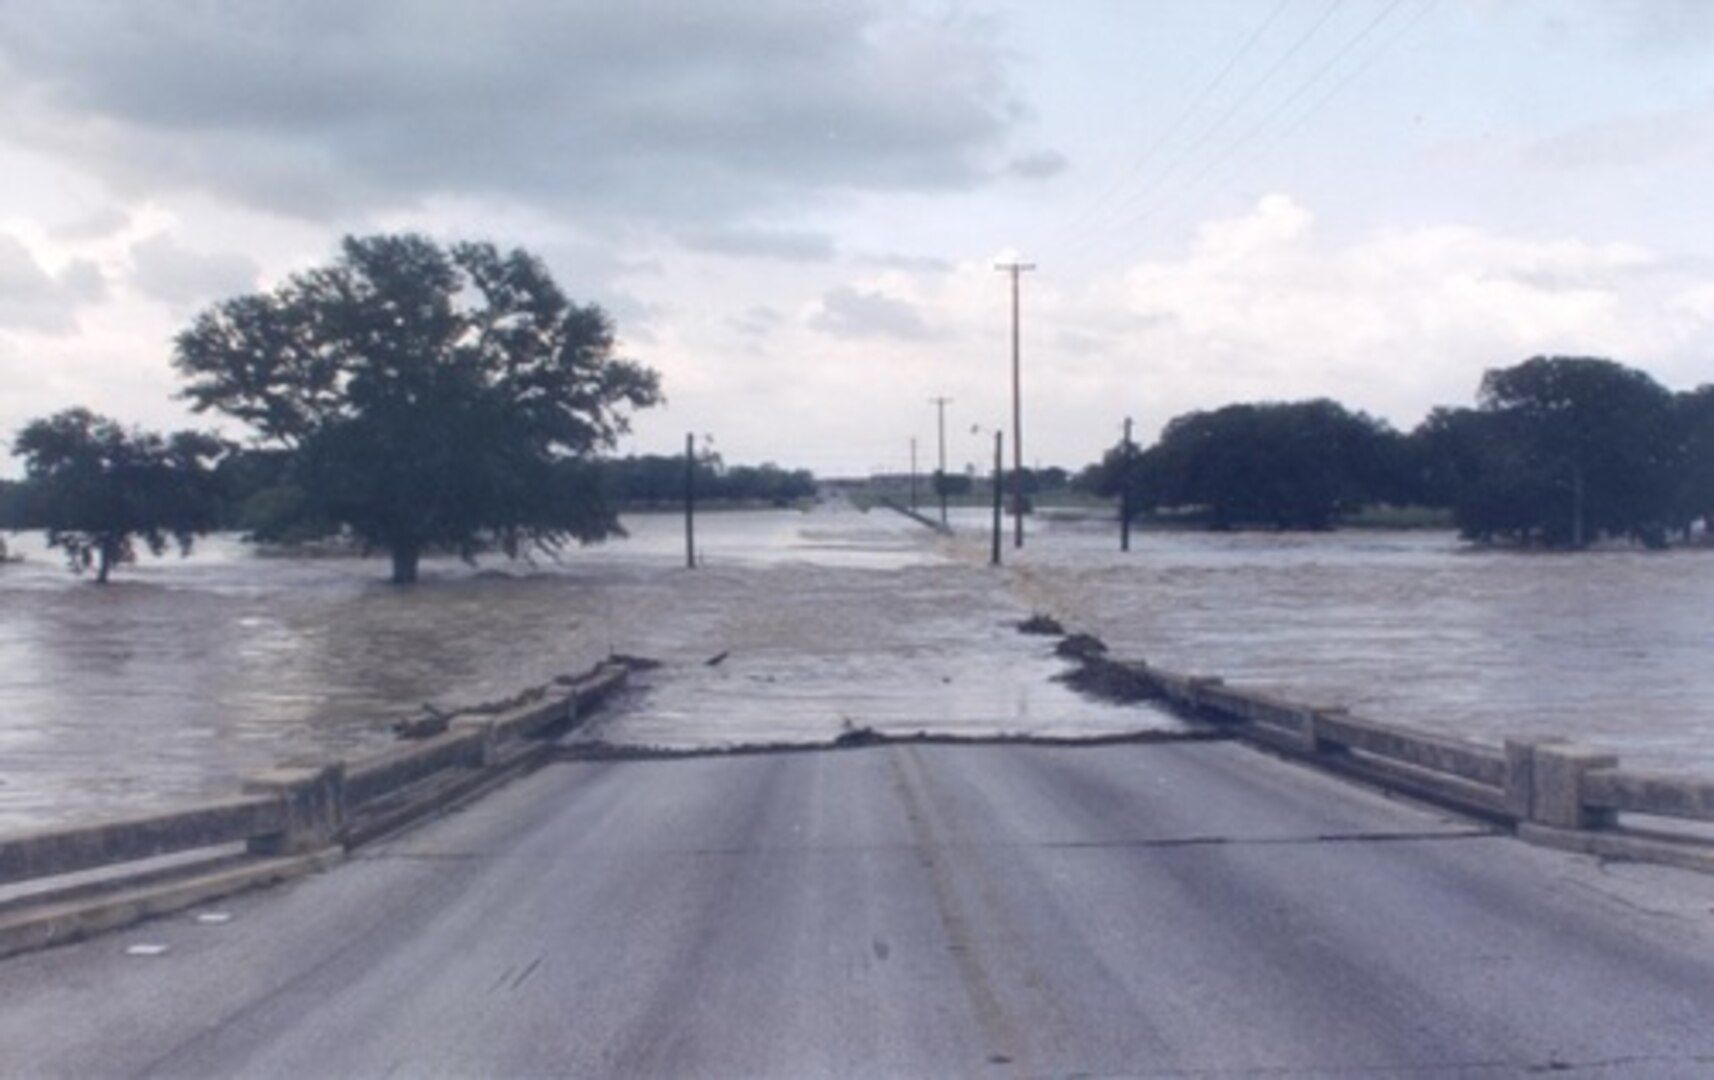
(601, 750)
(1275, 841)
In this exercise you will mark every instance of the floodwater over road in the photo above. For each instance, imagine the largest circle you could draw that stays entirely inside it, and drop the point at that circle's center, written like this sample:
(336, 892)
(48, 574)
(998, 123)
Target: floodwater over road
(186, 673)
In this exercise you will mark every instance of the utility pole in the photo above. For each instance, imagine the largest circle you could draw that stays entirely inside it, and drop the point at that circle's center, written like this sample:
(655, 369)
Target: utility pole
(999, 486)
(940, 404)
(1016, 269)
(913, 474)
(1125, 458)
(690, 501)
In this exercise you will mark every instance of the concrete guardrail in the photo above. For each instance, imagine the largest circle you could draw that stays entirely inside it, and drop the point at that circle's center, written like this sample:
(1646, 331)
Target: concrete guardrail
(288, 821)
(292, 820)
(1553, 792)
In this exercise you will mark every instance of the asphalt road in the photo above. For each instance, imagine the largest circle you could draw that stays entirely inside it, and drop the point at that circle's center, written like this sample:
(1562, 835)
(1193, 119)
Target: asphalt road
(1180, 909)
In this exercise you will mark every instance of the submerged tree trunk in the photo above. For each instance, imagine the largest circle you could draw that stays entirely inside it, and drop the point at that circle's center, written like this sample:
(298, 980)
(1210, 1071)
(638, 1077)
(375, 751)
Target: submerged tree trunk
(109, 552)
(405, 557)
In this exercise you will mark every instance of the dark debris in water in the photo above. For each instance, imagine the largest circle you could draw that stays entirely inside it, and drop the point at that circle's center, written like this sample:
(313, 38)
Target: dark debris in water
(626, 660)
(1096, 675)
(1045, 625)
(858, 736)
(601, 750)
(1108, 680)
(1081, 647)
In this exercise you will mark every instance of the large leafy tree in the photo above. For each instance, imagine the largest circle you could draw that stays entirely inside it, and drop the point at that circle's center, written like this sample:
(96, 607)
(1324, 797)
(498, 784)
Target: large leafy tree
(1570, 448)
(1480, 464)
(1286, 465)
(431, 398)
(98, 487)
(1694, 497)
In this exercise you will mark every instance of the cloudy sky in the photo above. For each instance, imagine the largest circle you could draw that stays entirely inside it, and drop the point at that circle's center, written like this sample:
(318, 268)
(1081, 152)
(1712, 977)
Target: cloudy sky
(794, 208)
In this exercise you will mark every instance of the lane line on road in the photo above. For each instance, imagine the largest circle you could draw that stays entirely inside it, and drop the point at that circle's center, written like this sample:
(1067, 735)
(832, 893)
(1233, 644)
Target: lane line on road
(841, 850)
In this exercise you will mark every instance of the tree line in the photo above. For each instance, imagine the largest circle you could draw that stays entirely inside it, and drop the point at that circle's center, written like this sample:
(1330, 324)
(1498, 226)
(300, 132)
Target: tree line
(1557, 452)
(655, 481)
(413, 396)
(416, 398)
(108, 488)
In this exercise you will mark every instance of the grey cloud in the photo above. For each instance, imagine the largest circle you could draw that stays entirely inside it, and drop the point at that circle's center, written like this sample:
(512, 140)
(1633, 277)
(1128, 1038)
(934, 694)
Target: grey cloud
(1634, 140)
(847, 313)
(1671, 26)
(33, 299)
(763, 243)
(99, 225)
(758, 322)
(1040, 165)
(182, 278)
(662, 110)
(922, 264)
(1078, 343)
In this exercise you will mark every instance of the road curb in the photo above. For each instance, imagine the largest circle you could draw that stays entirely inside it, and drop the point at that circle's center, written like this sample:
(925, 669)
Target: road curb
(47, 921)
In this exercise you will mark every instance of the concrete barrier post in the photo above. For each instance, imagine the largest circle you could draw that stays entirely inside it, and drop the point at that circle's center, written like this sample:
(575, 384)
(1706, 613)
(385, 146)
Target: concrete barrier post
(1556, 779)
(484, 735)
(1196, 684)
(1520, 778)
(314, 798)
(1311, 732)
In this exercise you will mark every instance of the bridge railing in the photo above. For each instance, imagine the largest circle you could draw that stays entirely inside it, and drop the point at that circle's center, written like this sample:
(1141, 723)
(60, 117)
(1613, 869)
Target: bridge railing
(1553, 791)
(65, 881)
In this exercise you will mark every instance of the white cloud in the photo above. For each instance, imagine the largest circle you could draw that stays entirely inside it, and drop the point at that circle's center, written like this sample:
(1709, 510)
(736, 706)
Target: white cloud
(850, 313)
(1399, 320)
(33, 299)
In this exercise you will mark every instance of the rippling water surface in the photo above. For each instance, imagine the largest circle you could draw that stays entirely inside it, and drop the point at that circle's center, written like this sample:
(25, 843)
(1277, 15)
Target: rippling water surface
(184, 674)
(1612, 648)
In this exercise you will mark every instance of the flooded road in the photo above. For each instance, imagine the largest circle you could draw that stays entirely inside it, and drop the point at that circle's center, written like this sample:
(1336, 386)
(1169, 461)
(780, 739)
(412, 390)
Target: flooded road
(186, 673)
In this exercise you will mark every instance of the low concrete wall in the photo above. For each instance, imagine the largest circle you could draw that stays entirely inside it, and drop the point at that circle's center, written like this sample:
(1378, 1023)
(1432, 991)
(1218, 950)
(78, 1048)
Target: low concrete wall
(921, 519)
(373, 777)
(1657, 794)
(1552, 791)
(83, 847)
(288, 820)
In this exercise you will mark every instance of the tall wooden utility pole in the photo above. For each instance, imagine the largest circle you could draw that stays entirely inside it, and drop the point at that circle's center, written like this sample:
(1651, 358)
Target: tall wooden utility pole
(913, 474)
(999, 486)
(690, 501)
(1016, 269)
(1125, 458)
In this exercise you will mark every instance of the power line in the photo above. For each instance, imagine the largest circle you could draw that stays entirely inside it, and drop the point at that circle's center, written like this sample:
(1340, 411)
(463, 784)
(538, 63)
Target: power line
(1232, 110)
(1337, 88)
(1208, 91)
(1249, 135)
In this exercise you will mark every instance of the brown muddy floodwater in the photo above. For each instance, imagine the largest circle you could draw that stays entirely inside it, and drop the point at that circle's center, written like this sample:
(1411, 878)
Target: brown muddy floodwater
(185, 674)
